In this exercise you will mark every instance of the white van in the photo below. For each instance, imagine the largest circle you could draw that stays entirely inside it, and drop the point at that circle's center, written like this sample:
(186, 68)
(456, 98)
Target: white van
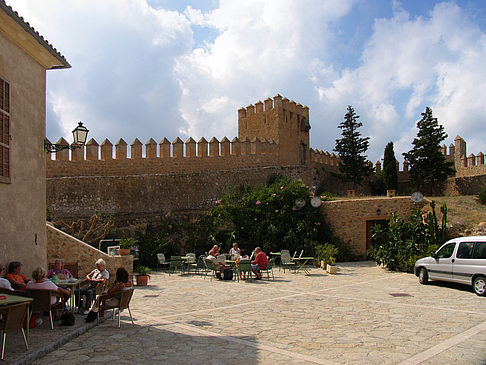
(460, 260)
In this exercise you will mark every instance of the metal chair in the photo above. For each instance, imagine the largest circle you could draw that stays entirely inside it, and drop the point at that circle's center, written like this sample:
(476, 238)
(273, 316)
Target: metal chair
(161, 261)
(269, 268)
(191, 262)
(12, 319)
(244, 266)
(108, 301)
(201, 265)
(176, 264)
(286, 261)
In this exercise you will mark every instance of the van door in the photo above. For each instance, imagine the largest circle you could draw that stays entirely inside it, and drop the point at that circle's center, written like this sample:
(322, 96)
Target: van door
(463, 268)
(441, 267)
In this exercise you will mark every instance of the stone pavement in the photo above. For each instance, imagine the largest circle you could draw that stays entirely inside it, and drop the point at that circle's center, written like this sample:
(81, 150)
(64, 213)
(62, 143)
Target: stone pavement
(362, 315)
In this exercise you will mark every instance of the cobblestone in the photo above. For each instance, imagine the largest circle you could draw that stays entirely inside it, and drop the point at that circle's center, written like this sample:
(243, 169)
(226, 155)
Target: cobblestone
(348, 318)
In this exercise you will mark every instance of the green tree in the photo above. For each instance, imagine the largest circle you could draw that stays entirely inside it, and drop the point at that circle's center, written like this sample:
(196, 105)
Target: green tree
(351, 147)
(428, 166)
(390, 167)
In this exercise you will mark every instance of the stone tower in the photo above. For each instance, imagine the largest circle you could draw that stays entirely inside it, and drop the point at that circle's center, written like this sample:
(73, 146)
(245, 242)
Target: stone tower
(282, 121)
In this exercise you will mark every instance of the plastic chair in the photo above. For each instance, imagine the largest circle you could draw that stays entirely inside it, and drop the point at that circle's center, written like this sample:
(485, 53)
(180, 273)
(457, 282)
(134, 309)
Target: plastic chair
(12, 319)
(244, 266)
(161, 261)
(107, 303)
(210, 266)
(201, 265)
(269, 268)
(286, 261)
(42, 301)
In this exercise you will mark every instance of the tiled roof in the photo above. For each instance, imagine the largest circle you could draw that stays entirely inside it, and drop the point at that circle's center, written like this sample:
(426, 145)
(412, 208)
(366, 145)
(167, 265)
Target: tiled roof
(26, 26)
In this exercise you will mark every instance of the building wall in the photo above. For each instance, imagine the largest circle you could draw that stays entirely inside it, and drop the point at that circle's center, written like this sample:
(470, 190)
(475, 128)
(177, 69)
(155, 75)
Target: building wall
(347, 218)
(23, 200)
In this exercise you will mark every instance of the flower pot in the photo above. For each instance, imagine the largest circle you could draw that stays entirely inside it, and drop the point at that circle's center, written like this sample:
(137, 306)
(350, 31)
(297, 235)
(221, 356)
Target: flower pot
(323, 265)
(124, 251)
(142, 280)
(331, 269)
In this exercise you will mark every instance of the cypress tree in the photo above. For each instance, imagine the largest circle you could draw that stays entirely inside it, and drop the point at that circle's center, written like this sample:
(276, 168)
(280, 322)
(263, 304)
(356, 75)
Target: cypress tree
(428, 166)
(351, 147)
(390, 167)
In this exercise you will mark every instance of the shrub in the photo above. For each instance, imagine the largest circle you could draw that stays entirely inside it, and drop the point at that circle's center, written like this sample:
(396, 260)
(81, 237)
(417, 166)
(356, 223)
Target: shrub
(400, 243)
(482, 196)
(268, 216)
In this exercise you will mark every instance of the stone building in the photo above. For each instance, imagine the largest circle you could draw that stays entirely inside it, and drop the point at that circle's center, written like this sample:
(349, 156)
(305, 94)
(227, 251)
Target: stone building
(24, 58)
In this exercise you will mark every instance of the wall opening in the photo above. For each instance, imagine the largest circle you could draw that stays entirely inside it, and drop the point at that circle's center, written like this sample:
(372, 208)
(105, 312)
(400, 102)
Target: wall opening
(370, 223)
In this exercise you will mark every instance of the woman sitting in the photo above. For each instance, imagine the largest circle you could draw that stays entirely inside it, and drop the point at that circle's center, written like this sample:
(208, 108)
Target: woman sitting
(17, 279)
(235, 251)
(40, 282)
(59, 270)
(122, 283)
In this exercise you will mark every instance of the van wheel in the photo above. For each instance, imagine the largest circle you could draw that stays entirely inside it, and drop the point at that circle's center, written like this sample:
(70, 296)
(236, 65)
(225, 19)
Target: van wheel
(479, 285)
(423, 276)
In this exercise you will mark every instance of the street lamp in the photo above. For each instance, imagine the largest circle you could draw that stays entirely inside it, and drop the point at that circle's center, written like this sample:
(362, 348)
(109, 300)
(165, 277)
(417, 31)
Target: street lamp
(80, 134)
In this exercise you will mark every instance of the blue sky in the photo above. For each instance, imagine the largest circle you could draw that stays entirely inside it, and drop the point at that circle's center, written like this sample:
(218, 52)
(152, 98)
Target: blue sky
(172, 68)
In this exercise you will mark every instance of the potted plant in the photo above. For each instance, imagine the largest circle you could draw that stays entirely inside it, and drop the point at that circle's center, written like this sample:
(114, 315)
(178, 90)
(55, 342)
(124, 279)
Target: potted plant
(331, 252)
(125, 246)
(321, 257)
(142, 274)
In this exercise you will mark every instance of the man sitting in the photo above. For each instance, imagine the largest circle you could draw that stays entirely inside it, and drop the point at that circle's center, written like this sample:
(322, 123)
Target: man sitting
(260, 262)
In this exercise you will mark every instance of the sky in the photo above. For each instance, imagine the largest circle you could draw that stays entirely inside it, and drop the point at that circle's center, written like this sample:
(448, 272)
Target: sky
(182, 68)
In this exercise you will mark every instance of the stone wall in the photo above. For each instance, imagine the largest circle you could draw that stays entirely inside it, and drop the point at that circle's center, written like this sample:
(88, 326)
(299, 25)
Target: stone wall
(348, 218)
(467, 185)
(70, 249)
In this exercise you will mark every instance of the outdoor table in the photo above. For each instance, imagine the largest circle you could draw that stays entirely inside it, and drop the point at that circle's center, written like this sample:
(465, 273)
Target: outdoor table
(15, 299)
(301, 262)
(75, 288)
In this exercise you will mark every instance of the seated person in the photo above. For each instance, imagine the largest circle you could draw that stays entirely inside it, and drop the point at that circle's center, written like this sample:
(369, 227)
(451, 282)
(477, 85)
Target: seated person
(214, 251)
(260, 262)
(39, 276)
(4, 283)
(122, 283)
(17, 279)
(235, 251)
(59, 270)
(98, 276)
(243, 256)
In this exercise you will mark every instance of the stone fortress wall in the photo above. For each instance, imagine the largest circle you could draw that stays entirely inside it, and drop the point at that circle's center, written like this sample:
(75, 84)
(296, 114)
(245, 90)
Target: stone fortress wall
(167, 177)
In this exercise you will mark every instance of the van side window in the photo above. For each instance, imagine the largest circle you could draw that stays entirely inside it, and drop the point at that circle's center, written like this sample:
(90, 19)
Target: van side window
(479, 250)
(446, 251)
(465, 250)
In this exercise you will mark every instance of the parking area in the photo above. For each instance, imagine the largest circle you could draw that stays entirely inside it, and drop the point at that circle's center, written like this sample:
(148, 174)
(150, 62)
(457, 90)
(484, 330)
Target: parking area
(363, 315)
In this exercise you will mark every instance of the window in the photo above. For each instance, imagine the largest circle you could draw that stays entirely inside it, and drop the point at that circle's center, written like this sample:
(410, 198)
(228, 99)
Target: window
(4, 131)
(465, 250)
(479, 250)
(446, 251)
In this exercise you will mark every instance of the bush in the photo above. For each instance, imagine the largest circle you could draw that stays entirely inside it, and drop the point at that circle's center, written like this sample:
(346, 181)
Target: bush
(400, 243)
(482, 196)
(268, 216)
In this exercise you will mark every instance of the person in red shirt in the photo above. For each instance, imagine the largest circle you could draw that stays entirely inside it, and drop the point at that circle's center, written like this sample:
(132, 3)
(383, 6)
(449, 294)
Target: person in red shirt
(260, 262)
(17, 279)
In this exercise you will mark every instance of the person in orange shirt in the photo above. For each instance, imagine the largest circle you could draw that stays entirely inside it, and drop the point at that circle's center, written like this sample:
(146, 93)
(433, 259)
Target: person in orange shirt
(17, 279)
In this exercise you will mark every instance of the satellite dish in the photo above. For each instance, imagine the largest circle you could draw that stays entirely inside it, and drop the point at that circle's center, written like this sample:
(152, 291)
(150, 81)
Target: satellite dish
(417, 197)
(299, 203)
(316, 202)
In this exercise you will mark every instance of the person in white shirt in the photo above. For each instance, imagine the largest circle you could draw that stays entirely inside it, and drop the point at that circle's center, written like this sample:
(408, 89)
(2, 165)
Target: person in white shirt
(96, 277)
(4, 283)
(235, 251)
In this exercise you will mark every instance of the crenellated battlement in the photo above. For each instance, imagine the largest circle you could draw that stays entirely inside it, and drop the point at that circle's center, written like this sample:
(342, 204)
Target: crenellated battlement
(108, 159)
(465, 165)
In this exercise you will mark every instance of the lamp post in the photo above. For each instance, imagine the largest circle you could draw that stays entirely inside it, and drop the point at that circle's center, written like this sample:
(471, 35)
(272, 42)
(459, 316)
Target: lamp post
(80, 134)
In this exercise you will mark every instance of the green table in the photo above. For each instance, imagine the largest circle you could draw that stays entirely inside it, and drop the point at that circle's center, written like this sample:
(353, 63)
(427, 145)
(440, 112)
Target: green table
(74, 285)
(15, 299)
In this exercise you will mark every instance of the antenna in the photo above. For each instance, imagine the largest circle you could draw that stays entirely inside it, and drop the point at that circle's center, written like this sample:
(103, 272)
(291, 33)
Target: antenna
(417, 197)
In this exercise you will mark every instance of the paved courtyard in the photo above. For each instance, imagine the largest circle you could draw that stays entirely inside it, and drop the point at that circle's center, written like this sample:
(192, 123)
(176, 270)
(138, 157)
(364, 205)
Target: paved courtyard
(362, 315)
